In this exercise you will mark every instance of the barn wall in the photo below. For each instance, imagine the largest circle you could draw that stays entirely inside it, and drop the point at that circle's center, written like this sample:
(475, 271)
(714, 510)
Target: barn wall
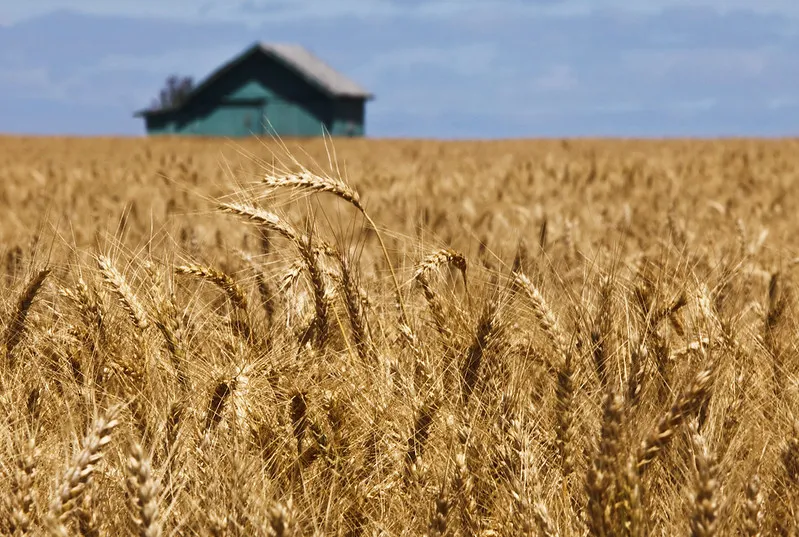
(348, 117)
(260, 96)
(226, 118)
(289, 118)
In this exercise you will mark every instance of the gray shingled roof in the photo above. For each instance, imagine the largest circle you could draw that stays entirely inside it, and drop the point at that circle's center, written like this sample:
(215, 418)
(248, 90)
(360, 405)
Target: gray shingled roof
(312, 66)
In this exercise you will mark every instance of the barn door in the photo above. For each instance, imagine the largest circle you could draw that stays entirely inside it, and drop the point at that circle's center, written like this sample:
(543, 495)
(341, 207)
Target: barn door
(254, 120)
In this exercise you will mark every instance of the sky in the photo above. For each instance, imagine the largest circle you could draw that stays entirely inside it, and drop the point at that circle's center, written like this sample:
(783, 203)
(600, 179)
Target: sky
(438, 68)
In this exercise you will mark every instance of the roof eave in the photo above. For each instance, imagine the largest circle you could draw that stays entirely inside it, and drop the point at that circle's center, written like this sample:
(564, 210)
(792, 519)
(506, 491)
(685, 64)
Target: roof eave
(364, 96)
(157, 112)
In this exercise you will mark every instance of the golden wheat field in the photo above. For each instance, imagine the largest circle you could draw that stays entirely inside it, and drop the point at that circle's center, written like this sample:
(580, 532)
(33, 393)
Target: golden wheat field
(379, 338)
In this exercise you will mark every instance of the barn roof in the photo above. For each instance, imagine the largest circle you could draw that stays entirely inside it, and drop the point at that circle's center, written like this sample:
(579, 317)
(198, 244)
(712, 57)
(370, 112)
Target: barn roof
(297, 58)
(312, 66)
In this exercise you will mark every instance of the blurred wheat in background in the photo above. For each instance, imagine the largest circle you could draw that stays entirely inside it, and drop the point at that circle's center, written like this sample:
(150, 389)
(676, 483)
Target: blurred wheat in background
(399, 338)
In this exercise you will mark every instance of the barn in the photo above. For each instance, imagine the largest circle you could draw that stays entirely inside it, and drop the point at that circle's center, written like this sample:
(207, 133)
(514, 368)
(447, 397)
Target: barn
(280, 89)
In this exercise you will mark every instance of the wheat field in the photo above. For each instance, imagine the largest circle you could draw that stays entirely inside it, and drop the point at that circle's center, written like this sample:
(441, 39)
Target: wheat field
(379, 338)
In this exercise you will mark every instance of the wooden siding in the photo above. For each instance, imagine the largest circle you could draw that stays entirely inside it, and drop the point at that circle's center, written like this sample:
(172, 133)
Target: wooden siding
(227, 119)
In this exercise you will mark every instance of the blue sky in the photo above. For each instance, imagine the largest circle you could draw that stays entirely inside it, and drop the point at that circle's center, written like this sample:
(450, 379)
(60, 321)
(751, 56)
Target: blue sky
(439, 68)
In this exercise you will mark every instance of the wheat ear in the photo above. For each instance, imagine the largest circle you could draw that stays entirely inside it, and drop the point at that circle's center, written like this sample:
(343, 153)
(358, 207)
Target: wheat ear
(487, 330)
(320, 326)
(542, 518)
(127, 298)
(355, 310)
(281, 520)
(752, 508)
(143, 493)
(22, 487)
(315, 183)
(265, 290)
(600, 485)
(168, 324)
(601, 332)
(220, 279)
(216, 405)
(705, 511)
(80, 471)
(16, 326)
(564, 417)
(267, 219)
(544, 314)
(443, 256)
(437, 527)
(686, 404)
(417, 441)
(463, 488)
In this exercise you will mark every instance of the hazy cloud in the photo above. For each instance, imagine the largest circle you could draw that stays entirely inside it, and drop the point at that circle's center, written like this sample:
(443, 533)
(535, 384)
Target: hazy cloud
(463, 60)
(29, 81)
(557, 78)
(260, 11)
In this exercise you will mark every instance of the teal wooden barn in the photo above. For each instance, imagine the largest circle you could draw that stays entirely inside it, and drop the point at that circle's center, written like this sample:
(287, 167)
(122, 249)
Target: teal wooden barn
(267, 89)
